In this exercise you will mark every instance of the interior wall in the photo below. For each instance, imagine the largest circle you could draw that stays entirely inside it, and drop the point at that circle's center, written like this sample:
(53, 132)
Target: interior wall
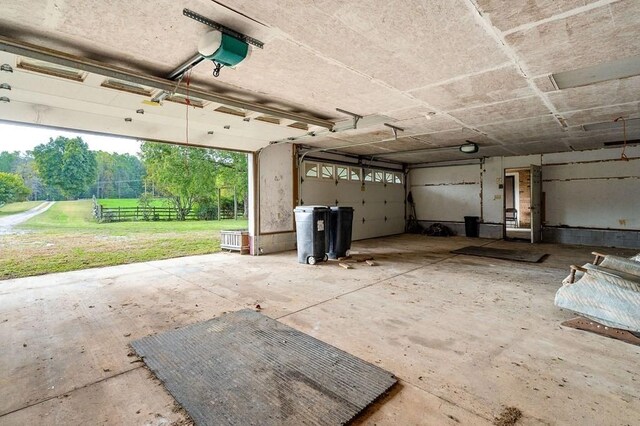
(446, 194)
(591, 197)
(276, 178)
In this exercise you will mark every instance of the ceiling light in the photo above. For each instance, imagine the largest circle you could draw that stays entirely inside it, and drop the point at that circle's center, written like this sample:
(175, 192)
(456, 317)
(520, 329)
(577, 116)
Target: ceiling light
(469, 147)
(596, 73)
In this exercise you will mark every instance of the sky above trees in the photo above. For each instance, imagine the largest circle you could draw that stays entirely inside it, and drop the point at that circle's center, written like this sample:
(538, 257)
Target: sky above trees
(25, 138)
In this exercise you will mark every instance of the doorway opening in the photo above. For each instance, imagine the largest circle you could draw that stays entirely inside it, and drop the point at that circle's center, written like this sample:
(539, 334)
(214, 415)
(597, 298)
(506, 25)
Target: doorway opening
(517, 204)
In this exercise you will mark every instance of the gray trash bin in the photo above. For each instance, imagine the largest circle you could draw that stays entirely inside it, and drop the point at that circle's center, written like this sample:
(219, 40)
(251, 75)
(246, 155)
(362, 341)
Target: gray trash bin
(311, 233)
(340, 227)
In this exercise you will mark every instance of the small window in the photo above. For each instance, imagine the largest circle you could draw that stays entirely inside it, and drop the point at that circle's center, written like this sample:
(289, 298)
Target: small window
(311, 170)
(355, 173)
(388, 177)
(378, 176)
(342, 173)
(368, 176)
(397, 178)
(327, 171)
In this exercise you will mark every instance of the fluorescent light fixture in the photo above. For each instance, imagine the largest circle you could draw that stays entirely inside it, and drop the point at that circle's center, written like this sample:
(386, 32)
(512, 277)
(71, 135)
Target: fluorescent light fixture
(469, 147)
(633, 123)
(613, 70)
(47, 68)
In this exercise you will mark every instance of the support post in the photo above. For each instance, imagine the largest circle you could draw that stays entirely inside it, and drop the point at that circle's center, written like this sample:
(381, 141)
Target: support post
(235, 204)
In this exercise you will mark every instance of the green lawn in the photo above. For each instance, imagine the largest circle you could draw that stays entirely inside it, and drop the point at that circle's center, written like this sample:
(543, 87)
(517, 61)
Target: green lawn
(66, 238)
(129, 202)
(13, 208)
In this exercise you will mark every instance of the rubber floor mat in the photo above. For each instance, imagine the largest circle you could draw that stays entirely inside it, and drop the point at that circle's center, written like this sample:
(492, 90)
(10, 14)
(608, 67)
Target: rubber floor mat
(496, 253)
(244, 368)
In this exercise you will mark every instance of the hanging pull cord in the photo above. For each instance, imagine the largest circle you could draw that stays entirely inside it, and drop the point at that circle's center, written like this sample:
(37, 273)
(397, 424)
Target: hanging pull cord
(623, 156)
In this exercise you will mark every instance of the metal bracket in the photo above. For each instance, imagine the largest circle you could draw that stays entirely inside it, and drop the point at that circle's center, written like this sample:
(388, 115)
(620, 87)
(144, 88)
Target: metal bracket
(6, 67)
(225, 30)
(356, 117)
(5, 86)
(395, 129)
(5, 99)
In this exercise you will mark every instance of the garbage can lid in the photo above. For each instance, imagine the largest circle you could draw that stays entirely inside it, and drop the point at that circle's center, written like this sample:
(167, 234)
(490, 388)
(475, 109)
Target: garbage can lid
(303, 209)
(345, 208)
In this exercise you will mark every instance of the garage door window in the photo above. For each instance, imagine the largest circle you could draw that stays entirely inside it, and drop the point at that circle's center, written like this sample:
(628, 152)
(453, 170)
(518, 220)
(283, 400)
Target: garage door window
(342, 173)
(397, 178)
(355, 173)
(327, 171)
(378, 176)
(368, 175)
(311, 170)
(388, 177)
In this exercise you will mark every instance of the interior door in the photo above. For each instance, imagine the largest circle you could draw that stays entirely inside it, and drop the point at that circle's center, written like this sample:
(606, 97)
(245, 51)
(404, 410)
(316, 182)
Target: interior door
(536, 204)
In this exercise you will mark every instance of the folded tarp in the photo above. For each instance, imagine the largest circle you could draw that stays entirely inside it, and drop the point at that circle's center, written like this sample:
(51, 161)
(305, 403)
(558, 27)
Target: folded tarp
(608, 293)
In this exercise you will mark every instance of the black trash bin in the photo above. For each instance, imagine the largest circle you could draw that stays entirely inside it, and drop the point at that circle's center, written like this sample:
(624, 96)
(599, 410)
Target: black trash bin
(340, 227)
(311, 233)
(472, 226)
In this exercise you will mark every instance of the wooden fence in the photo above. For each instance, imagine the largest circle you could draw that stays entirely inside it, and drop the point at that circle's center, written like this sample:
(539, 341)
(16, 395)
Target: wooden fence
(132, 214)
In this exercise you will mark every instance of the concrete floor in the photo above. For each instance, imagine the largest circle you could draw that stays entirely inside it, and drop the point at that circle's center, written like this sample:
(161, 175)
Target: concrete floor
(467, 336)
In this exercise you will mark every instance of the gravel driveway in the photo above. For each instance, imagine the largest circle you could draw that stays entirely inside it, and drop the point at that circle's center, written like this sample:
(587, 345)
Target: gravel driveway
(8, 222)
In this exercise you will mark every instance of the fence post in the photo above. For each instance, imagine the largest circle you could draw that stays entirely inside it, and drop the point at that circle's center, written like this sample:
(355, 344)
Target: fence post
(235, 204)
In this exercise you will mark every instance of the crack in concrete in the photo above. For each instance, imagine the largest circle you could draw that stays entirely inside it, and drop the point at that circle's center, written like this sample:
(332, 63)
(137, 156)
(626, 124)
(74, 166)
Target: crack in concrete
(69, 391)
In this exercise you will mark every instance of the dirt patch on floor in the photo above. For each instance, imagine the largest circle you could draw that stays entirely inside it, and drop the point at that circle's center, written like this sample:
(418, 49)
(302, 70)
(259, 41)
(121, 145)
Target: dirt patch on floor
(508, 417)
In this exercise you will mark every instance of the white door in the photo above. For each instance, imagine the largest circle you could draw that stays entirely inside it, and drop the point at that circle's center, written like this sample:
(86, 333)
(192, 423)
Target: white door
(536, 204)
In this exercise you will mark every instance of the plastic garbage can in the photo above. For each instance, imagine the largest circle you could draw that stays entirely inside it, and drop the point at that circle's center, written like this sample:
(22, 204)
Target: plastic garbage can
(340, 227)
(472, 226)
(311, 233)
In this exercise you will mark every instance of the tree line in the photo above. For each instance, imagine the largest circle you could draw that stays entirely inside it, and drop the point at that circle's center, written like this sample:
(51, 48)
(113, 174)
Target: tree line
(66, 169)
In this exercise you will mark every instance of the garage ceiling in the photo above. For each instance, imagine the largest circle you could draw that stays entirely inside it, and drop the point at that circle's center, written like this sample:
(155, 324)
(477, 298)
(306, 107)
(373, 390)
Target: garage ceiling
(444, 70)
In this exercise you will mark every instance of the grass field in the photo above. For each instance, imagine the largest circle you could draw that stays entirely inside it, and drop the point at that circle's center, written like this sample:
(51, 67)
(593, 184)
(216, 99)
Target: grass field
(66, 238)
(13, 208)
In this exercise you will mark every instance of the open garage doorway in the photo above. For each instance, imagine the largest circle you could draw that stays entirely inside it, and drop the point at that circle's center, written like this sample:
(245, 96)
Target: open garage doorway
(83, 200)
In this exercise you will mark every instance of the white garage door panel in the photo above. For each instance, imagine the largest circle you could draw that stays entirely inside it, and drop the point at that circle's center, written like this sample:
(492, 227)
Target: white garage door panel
(376, 193)
(380, 201)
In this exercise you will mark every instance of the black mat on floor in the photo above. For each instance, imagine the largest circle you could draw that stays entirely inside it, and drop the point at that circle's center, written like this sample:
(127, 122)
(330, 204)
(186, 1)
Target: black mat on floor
(518, 255)
(244, 368)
